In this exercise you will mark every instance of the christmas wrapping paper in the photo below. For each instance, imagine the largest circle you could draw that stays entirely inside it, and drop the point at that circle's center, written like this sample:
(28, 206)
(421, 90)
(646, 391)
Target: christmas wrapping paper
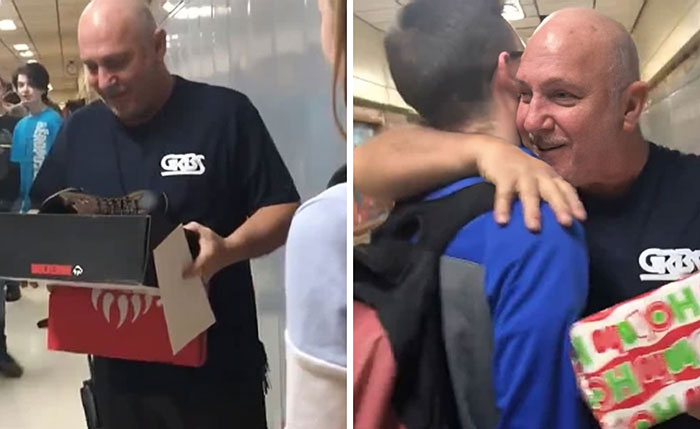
(638, 363)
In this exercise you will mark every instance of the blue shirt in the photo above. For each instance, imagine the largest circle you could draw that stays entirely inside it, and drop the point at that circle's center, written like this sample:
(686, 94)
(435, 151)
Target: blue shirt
(31, 142)
(536, 286)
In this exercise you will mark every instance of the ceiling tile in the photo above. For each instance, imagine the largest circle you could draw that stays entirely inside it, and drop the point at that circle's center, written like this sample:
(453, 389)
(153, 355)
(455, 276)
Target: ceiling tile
(44, 37)
(379, 15)
(368, 5)
(525, 32)
(547, 7)
(530, 10)
(625, 12)
(529, 21)
(656, 23)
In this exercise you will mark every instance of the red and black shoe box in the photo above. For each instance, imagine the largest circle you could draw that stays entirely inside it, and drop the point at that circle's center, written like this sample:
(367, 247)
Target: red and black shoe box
(97, 267)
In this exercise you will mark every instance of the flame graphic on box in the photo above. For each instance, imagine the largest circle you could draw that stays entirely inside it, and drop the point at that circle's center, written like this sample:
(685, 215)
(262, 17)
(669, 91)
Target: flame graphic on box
(140, 303)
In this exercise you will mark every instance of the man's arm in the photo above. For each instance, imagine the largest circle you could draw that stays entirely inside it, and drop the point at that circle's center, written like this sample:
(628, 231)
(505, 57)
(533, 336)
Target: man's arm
(408, 161)
(262, 233)
(267, 193)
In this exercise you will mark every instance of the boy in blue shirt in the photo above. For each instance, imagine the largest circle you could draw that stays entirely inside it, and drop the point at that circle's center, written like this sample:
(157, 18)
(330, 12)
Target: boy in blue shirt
(32, 139)
(34, 134)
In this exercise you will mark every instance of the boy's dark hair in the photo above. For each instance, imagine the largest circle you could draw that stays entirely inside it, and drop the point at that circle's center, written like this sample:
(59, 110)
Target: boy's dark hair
(442, 55)
(37, 76)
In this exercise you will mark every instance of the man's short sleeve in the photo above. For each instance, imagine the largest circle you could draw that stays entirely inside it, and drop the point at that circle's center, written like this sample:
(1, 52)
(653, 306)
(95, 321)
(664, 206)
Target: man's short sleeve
(258, 165)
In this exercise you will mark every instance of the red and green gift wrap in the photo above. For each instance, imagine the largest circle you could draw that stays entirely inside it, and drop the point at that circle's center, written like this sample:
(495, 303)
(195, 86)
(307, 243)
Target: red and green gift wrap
(638, 363)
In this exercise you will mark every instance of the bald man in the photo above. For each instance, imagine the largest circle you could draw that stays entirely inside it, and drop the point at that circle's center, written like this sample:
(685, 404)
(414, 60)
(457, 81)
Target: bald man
(580, 102)
(208, 150)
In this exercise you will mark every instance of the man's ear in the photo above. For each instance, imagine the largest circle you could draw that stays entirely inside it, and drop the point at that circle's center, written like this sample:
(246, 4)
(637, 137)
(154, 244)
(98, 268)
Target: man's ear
(634, 100)
(160, 43)
(504, 76)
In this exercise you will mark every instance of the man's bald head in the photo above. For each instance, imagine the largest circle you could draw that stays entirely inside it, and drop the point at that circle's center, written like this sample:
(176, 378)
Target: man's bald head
(125, 15)
(124, 56)
(607, 40)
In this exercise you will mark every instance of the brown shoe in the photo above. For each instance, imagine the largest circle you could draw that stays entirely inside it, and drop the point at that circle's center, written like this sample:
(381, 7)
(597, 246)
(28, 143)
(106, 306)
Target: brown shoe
(73, 200)
(9, 367)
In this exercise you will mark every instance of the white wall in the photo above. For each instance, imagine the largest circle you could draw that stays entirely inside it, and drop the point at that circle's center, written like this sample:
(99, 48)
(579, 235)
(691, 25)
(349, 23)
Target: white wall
(672, 116)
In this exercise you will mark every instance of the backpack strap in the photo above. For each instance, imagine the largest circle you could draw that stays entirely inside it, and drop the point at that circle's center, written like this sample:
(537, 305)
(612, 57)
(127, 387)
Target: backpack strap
(468, 335)
(430, 225)
(398, 275)
(434, 223)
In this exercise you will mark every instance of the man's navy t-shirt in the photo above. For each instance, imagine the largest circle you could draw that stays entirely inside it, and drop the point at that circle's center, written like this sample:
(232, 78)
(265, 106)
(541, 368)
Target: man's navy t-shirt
(646, 238)
(209, 151)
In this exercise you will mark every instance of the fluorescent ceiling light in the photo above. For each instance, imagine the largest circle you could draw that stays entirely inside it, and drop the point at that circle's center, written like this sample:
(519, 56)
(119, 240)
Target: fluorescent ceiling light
(26, 54)
(7, 25)
(31, 61)
(21, 47)
(194, 12)
(169, 5)
(513, 11)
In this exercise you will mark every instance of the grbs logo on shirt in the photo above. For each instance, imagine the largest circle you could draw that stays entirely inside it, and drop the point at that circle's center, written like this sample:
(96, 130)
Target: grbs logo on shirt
(668, 264)
(186, 164)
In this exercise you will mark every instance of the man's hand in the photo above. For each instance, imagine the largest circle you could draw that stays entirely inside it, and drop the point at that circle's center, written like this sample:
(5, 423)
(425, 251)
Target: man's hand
(513, 172)
(212, 255)
(264, 231)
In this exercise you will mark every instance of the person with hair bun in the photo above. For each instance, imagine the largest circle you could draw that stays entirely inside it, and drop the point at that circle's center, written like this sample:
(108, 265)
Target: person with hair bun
(34, 134)
(316, 272)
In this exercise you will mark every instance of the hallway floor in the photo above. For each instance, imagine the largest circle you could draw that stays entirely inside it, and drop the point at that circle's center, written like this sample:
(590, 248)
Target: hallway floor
(48, 394)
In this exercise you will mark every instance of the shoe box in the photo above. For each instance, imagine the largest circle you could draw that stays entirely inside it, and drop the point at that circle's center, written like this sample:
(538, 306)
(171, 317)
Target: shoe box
(94, 249)
(116, 323)
(116, 286)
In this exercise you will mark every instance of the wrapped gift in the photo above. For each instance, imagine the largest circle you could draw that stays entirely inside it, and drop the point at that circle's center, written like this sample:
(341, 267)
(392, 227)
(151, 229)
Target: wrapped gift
(638, 363)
